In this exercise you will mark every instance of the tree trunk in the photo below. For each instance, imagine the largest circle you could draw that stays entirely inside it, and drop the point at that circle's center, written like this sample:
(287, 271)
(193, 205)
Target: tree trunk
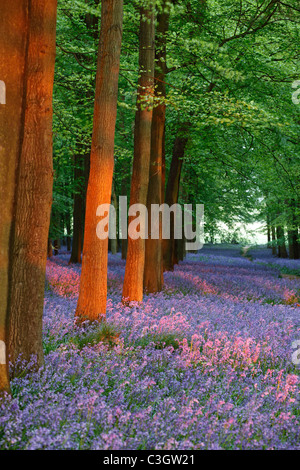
(180, 246)
(274, 249)
(69, 241)
(77, 212)
(163, 185)
(13, 27)
(163, 170)
(86, 168)
(56, 245)
(49, 248)
(56, 227)
(153, 276)
(93, 284)
(92, 21)
(268, 231)
(134, 271)
(114, 241)
(68, 229)
(124, 248)
(179, 249)
(33, 197)
(282, 251)
(172, 192)
(124, 241)
(293, 244)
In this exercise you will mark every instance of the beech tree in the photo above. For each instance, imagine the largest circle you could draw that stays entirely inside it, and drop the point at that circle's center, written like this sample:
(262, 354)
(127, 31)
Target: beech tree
(12, 49)
(33, 194)
(28, 30)
(172, 193)
(212, 59)
(78, 211)
(153, 275)
(93, 284)
(134, 271)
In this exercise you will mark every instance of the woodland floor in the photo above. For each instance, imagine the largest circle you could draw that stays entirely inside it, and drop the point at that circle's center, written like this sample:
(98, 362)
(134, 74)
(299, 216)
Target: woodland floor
(205, 364)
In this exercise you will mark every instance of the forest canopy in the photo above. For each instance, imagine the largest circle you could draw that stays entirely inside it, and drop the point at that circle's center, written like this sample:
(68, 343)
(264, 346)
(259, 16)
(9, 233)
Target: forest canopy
(230, 76)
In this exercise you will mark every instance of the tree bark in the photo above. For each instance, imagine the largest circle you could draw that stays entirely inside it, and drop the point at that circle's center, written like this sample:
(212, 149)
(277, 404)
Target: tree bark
(274, 248)
(93, 284)
(56, 245)
(13, 28)
(124, 241)
(153, 276)
(282, 251)
(68, 229)
(293, 244)
(114, 241)
(49, 248)
(124, 248)
(77, 212)
(134, 271)
(33, 195)
(268, 231)
(92, 21)
(86, 168)
(172, 191)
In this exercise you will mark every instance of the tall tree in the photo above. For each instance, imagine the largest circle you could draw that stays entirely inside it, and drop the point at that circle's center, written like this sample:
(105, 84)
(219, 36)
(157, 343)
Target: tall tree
(134, 271)
(282, 251)
(33, 190)
(13, 25)
(172, 193)
(93, 284)
(114, 238)
(78, 211)
(153, 277)
(293, 235)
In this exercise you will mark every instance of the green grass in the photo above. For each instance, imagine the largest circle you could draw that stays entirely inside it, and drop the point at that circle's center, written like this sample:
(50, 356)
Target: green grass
(103, 332)
(161, 340)
(281, 269)
(294, 272)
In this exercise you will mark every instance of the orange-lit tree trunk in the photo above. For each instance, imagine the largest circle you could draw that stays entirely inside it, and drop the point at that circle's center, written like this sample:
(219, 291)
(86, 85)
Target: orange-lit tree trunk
(93, 284)
(33, 185)
(153, 276)
(13, 26)
(134, 271)
(172, 192)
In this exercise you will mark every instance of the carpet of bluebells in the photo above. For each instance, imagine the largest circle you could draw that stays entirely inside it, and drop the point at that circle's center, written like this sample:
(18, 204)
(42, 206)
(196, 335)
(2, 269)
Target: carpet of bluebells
(205, 364)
